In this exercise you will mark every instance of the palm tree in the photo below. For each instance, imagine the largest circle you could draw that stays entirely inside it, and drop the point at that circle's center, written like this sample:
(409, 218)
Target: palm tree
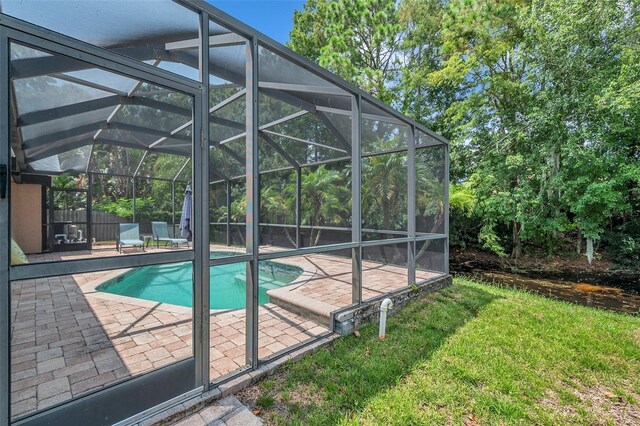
(384, 191)
(273, 208)
(325, 199)
(238, 209)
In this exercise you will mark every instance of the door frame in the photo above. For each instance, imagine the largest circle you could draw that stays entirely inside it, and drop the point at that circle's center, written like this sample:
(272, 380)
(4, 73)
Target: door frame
(132, 396)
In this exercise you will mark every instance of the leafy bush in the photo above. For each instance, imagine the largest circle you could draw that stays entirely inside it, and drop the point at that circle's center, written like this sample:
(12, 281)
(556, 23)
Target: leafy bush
(623, 244)
(146, 208)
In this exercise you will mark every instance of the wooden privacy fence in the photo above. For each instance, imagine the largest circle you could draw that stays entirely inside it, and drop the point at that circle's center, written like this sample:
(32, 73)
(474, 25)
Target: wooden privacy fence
(104, 226)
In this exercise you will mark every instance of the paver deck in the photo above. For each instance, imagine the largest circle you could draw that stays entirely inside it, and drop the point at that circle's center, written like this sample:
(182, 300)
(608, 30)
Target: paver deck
(68, 339)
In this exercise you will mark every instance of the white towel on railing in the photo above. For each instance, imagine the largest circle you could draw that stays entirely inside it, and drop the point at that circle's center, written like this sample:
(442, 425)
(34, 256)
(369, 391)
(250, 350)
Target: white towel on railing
(185, 217)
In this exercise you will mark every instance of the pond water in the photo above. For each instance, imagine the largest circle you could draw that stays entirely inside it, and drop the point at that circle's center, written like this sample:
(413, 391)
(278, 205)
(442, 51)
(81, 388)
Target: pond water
(582, 293)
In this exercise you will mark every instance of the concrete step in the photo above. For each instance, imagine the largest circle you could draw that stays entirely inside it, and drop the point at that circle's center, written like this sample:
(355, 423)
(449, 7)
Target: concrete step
(297, 303)
(227, 411)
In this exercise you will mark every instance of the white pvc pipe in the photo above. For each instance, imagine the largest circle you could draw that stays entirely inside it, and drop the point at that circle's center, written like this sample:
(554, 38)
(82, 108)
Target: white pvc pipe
(386, 305)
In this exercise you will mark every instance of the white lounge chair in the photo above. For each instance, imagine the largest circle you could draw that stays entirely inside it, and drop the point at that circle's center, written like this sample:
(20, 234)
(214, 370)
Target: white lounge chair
(129, 236)
(161, 234)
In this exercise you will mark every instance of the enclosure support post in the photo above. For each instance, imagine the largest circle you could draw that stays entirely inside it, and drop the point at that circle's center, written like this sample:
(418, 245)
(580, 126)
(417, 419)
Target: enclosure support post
(228, 188)
(173, 208)
(356, 213)
(89, 234)
(5, 286)
(446, 208)
(253, 202)
(133, 199)
(200, 195)
(298, 206)
(51, 208)
(411, 206)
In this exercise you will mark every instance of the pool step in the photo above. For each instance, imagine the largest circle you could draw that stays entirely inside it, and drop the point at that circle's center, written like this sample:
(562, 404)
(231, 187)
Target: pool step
(297, 303)
(270, 286)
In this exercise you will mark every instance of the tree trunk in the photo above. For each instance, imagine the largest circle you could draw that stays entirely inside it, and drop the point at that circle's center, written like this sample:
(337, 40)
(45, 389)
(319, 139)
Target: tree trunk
(434, 229)
(517, 244)
(289, 237)
(386, 216)
(579, 242)
(241, 235)
(589, 250)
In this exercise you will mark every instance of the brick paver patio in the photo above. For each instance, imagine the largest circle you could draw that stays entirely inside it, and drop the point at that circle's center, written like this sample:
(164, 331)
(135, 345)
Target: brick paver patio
(68, 339)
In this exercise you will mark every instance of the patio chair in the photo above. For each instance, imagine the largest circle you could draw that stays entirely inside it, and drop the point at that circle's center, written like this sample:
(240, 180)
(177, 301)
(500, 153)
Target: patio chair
(129, 236)
(161, 233)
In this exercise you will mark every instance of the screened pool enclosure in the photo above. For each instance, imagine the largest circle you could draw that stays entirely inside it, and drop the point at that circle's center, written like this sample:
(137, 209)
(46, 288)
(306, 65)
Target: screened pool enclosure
(184, 199)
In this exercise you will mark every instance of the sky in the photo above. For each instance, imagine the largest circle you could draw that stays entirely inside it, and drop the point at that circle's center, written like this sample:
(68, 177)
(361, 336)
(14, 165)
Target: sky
(271, 17)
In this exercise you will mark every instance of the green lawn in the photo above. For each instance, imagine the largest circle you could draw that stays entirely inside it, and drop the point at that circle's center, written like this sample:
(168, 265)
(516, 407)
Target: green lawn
(469, 354)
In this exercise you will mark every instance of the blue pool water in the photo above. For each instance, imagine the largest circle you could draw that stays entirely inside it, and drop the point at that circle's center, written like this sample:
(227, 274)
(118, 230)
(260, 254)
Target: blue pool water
(173, 283)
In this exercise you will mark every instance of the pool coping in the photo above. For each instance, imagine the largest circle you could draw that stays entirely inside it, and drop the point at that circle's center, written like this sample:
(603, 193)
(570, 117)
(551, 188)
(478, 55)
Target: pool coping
(90, 288)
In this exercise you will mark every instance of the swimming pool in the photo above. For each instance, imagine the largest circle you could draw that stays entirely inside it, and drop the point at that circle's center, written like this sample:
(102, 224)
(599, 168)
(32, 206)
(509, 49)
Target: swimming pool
(173, 283)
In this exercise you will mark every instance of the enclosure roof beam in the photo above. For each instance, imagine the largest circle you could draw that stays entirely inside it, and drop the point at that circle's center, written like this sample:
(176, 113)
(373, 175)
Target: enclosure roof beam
(232, 154)
(135, 86)
(88, 165)
(181, 169)
(308, 107)
(222, 147)
(334, 131)
(141, 147)
(245, 30)
(306, 88)
(152, 103)
(61, 135)
(225, 122)
(231, 139)
(279, 150)
(143, 130)
(289, 99)
(31, 151)
(227, 101)
(284, 119)
(302, 166)
(90, 128)
(45, 153)
(41, 116)
(44, 115)
(172, 134)
(374, 117)
(87, 83)
(220, 40)
(220, 105)
(140, 163)
(219, 174)
(56, 150)
(293, 138)
(48, 65)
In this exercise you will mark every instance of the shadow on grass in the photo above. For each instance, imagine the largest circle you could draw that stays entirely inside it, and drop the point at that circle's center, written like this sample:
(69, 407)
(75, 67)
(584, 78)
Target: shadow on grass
(327, 385)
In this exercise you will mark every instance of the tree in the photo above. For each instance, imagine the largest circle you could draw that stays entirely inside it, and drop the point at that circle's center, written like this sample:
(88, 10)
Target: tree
(325, 199)
(359, 40)
(585, 56)
(482, 42)
(421, 49)
(384, 192)
(538, 98)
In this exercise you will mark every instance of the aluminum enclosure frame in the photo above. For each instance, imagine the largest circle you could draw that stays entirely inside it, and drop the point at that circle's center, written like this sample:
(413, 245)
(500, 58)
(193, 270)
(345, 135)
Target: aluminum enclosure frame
(15, 29)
